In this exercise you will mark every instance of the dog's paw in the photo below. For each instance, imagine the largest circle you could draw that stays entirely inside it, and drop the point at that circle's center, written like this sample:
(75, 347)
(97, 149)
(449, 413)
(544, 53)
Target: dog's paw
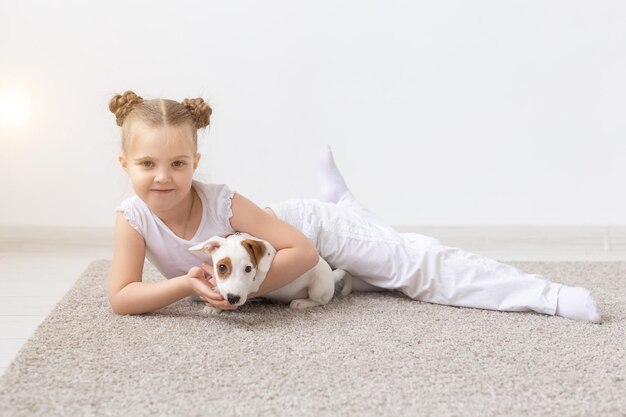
(303, 303)
(212, 310)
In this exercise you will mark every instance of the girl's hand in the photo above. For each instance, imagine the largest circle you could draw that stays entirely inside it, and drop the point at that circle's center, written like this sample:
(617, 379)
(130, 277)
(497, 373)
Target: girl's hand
(198, 282)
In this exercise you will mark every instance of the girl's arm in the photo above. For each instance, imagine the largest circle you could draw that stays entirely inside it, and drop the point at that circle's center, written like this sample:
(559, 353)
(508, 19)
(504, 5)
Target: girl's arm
(295, 254)
(127, 293)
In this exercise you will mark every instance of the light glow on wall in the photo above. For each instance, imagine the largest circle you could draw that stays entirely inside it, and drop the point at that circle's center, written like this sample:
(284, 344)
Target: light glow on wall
(15, 108)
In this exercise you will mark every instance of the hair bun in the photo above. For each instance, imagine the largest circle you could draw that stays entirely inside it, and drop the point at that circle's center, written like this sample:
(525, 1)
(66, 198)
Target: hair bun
(122, 104)
(200, 111)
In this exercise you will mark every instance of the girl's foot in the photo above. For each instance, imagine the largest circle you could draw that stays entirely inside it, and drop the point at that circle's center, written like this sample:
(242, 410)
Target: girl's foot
(576, 303)
(332, 187)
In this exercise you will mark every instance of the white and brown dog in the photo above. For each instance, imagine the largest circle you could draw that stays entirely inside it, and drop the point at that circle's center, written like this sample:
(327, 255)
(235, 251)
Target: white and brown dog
(241, 262)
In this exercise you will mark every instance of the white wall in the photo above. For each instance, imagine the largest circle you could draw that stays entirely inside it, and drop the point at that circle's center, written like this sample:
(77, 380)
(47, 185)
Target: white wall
(439, 112)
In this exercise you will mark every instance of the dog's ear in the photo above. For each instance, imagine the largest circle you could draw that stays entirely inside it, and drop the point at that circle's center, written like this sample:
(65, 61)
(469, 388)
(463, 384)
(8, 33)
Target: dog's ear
(209, 246)
(256, 249)
(261, 253)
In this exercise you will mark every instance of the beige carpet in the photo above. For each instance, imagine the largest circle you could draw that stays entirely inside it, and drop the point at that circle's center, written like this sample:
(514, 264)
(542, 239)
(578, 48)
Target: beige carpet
(366, 355)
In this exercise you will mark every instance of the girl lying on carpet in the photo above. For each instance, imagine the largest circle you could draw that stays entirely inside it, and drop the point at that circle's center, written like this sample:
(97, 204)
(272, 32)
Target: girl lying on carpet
(172, 212)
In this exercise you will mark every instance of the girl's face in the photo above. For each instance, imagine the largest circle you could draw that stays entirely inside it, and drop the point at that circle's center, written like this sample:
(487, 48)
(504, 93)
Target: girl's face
(160, 162)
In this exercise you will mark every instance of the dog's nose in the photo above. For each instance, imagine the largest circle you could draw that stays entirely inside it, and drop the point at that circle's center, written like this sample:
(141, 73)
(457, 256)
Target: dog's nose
(232, 298)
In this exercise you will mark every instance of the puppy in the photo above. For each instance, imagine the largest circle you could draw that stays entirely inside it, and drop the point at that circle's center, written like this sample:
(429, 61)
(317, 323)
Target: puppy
(241, 262)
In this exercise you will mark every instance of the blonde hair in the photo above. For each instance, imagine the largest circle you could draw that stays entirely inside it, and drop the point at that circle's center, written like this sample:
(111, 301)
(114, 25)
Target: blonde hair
(130, 107)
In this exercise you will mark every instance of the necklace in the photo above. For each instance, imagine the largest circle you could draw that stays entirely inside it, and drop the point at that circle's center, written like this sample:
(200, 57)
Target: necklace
(193, 200)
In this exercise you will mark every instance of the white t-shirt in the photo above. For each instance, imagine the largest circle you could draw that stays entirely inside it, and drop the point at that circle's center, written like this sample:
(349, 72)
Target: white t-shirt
(169, 253)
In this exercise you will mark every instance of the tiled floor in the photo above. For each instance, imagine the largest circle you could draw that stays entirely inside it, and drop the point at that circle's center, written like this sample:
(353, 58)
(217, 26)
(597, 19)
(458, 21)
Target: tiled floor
(38, 266)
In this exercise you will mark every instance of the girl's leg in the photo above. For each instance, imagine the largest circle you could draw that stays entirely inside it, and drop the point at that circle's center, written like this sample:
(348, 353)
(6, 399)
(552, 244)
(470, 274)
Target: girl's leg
(472, 280)
(424, 269)
(357, 240)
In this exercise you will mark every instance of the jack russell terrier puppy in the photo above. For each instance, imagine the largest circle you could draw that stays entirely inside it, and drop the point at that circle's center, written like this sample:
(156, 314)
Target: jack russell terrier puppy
(241, 262)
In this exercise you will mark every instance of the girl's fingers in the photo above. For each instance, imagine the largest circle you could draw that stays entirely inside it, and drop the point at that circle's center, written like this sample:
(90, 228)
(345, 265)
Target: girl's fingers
(216, 300)
(207, 269)
(196, 272)
(214, 296)
(222, 306)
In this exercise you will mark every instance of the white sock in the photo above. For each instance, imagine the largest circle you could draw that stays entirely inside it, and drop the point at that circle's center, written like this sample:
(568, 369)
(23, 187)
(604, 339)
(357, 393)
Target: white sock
(577, 303)
(332, 187)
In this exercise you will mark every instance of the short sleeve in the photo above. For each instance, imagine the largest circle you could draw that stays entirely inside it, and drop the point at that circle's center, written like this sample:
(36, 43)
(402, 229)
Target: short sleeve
(224, 206)
(131, 214)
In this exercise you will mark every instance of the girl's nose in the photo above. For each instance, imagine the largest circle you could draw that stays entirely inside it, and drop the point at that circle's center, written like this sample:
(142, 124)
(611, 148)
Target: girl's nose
(162, 177)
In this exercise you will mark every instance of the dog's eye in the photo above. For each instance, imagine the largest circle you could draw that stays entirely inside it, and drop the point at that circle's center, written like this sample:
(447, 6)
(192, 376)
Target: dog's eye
(248, 269)
(223, 268)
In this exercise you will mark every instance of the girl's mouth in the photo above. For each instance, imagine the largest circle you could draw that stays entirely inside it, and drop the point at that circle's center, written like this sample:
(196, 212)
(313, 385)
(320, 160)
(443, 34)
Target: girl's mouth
(161, 191)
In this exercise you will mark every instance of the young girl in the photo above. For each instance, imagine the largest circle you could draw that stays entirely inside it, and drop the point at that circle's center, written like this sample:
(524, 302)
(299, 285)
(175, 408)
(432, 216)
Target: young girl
(171, 212)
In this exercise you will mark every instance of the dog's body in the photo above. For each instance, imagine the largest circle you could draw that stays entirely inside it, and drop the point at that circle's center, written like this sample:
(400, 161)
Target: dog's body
(241, 262)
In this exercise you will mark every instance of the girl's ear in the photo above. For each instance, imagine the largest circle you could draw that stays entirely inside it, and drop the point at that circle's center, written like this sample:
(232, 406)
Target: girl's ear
(123, 162)
(196, 160)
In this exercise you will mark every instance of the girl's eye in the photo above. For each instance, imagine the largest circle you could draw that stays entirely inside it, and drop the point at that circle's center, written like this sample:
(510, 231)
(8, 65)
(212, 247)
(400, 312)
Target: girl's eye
(178, 164)
(147, 164)
(248, 269)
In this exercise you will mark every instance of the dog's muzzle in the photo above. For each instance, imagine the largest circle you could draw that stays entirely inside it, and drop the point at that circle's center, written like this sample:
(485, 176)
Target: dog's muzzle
(233, 299)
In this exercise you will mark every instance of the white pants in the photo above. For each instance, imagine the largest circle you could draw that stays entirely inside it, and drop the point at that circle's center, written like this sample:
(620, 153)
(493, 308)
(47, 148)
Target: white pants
(348, 236)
